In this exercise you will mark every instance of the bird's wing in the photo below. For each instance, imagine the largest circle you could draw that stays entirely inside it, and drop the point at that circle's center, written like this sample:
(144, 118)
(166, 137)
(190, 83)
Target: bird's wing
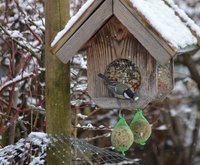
(120, 88)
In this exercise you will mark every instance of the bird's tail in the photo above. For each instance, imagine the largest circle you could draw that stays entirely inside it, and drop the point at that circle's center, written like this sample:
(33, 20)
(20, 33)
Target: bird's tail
(103, 77)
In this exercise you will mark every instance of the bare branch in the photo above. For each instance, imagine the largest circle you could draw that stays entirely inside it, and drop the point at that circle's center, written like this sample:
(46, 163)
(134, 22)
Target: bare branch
(20, 44)
(17, 79)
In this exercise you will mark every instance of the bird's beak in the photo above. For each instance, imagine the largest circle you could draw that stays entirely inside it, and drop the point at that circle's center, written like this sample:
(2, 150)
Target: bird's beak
(136, 98)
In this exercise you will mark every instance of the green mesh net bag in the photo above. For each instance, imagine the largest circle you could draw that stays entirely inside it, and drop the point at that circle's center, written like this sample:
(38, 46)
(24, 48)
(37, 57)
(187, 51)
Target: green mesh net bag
(122, 137)
(140, 128)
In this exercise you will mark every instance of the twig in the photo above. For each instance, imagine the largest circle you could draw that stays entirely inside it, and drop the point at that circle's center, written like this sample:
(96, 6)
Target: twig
(35, 35)
(20, 10)
(11, 96)
(98, 137)
(16, 80)
(37, 109)
(6, 103)
(94, 128)
(6, 11)
(20, 44)
(14, 118)
(23, 127)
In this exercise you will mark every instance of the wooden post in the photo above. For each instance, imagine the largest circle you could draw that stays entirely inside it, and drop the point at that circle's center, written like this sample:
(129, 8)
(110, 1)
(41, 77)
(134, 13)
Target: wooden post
(57, 81)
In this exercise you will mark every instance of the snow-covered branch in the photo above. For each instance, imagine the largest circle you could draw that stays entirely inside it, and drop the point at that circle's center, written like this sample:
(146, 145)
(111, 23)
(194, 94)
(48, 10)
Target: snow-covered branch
(21, 44)
(17, 79)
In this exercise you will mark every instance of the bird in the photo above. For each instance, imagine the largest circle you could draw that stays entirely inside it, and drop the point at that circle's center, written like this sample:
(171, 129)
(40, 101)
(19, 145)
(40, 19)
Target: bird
(120, 90)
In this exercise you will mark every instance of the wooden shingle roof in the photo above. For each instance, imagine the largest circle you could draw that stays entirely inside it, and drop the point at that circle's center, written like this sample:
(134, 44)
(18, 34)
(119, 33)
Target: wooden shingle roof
(140, 20)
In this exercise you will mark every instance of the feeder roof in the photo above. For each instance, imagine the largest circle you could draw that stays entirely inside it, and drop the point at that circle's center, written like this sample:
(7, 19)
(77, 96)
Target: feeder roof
(72, 21)
(159, 25)
(163, 16)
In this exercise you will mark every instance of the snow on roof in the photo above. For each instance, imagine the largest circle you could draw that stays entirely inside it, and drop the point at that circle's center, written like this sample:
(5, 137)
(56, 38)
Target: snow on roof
(71, 22)
(189, 22)
(161, 16)
(164, 19)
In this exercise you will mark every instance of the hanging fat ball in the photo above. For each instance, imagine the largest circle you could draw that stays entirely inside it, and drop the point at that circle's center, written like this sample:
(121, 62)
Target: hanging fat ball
(124, 71)
(122, 137)
(120, 90)
(140, 128)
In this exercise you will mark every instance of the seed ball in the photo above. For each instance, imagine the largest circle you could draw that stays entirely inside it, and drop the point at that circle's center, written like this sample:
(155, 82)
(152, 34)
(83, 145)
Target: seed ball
(122, 138)
(141, 130)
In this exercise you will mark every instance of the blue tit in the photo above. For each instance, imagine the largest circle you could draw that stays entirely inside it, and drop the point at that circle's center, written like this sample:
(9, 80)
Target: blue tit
(120, 90)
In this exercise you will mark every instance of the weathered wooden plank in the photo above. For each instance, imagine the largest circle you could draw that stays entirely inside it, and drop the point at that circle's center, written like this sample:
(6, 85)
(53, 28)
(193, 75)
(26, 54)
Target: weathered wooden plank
(128, 18)
(57, 80)
(114, 103)
(86, 31)
(77, 24)
(112, 42)
(183, 20)
(171, 50)
(165, 79)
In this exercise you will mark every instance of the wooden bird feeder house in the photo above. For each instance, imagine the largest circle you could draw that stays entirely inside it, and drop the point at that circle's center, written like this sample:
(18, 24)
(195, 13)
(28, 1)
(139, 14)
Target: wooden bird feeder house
(146, 35)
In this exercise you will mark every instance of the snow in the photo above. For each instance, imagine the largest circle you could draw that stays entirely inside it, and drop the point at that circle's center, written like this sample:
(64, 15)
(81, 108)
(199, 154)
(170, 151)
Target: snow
(78, 125)
(20, 118)
(90, 126)
(101, 126)
(37, 160)
(166, 22)
(16, 79)
(15, 34)
(7, 61)
(81, 87)
(173, 112)
(183, 89)
(185, 109)
(22, 149)
(189, 22)
(82, 116)
(31, 101)
(72, 21)
(79, 60)
(124, 162)
(162, 128)
(39, 135)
